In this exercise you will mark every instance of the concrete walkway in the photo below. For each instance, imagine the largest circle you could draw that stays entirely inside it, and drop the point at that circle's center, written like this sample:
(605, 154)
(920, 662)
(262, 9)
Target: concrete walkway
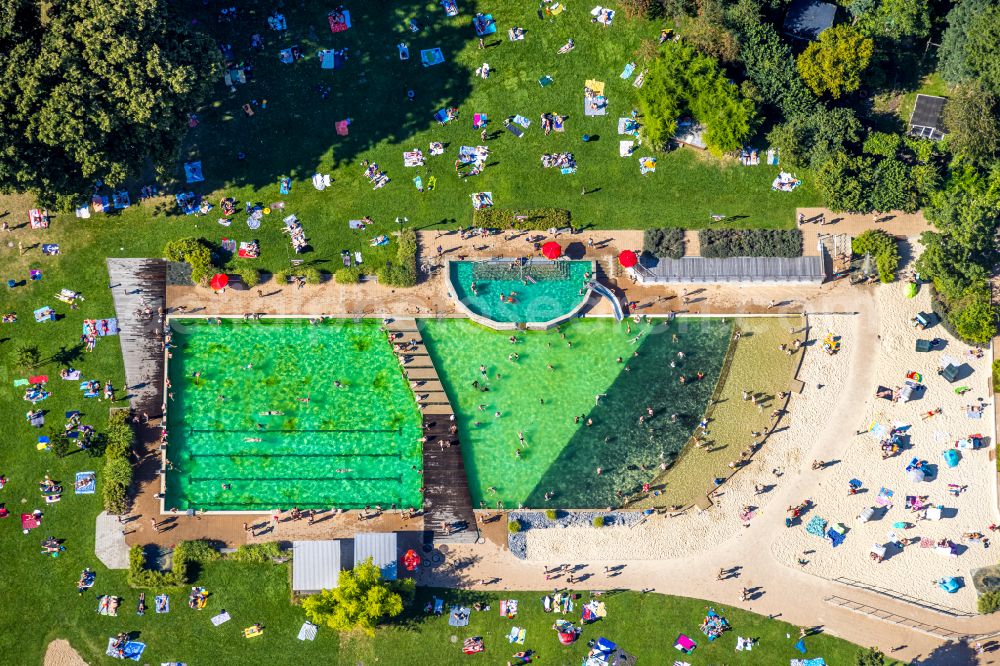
(109, 542)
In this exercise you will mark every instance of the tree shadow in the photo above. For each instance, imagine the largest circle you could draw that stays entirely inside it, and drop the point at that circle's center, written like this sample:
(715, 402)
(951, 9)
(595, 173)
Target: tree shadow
(297, 105)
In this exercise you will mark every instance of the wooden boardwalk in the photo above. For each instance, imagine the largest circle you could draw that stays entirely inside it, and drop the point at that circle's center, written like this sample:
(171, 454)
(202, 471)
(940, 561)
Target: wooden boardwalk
(448, 512)
(138, 284)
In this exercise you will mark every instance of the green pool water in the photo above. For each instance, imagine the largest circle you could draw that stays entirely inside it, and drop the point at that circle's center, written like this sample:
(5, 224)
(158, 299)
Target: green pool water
(346, 447)
(560, 455)
(555, 292)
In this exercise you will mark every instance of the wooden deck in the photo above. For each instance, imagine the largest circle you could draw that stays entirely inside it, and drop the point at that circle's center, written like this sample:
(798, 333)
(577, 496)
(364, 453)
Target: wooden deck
(138, 284)
(447, 500)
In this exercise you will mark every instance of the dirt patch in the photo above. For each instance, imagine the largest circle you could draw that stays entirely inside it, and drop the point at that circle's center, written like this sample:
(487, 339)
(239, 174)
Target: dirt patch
(61, 653)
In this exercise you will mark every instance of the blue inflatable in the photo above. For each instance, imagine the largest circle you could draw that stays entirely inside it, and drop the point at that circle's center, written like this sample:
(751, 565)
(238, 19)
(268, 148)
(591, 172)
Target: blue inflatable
(951, 457)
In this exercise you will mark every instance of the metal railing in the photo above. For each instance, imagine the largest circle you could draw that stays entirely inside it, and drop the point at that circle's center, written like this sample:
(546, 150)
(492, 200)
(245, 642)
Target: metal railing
(894, 618)
(899, 596)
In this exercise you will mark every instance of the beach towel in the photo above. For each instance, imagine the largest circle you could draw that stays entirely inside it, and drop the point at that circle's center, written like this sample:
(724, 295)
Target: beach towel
(817, 526)
(82, 212)
(379, 240)
(545, 81)
(685, 644)
(100, 203)
(121, 200)
(221, 618)
(514, 129)
(431, 57)
(450, 7)
(131, 650)
(801, 646)
(785, 182)
(106, 605)
(772, 157)
(50, 249)
(567, 170)
(285, 185)
(342, 126)
(595, 106)
(836, 538)
(162, 603)
(459, 617)
(744, 644)
(418, 183)
(307, 632)
(21, 382)
(438, 606)
(603, 16)
(431, 183)
(39, 379)
(247, 250)
(558, 125)
(357, 257)
(339, 21)
(522, 121)
(442, 116)
(647, 165)
(479, 120)
(192, 172)
(484, 24)
(356, 224)
(86, 483)
(331, 59)
(100, 327)
(627, 72)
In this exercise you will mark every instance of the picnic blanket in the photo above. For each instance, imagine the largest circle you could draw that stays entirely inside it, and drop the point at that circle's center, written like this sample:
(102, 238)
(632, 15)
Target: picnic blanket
(162, 603)
(331, 59)
(442, 116)
(516, 635)
(482, 200)
(596, 105)
(86, 483)
(508, 608)
(627, 72)
(307, 632)
(221, 618)
(249, 250)
(29, 521)
(342, 126)
(450, 7)
(818, 661)
(522, 121)
(604, 16)
(459, 617)
(785, 182)
(131, 650)
(647, 165)
(431, 57)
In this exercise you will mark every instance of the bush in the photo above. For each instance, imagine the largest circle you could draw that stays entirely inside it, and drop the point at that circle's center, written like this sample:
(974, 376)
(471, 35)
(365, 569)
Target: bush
(723, 243)
(257, 553)
(664, 243)
(883, 247)
(635, 9)
(194, 251)
(974, 319)
(529, 219)
(312, 275)
(514, 526)
(280, 277)
(249, 275)
(996, 379)
(59, 445)
(551, 514)
(988, 602)
(200, 551)
(402, 272)
(598, 521)
(348, 275)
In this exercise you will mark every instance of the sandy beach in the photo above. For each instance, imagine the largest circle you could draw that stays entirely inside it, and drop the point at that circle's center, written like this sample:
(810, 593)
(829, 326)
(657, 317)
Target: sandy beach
(662, 537)
(913, 569)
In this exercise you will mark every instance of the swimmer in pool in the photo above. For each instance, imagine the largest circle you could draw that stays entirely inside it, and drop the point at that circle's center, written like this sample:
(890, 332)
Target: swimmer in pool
(272, 412)
(251, 439)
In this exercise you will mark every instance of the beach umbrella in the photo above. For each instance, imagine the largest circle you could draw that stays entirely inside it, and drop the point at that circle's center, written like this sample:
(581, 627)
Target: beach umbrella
(411, 560)
(552, 250)
(628, 259)
(219, 281)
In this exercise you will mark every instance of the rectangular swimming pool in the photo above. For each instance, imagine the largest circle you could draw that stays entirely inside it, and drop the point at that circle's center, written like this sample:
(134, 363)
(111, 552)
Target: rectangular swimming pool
(281, 413)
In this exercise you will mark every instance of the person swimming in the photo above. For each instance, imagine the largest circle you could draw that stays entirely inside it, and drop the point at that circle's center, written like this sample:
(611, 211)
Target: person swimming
(272, 412)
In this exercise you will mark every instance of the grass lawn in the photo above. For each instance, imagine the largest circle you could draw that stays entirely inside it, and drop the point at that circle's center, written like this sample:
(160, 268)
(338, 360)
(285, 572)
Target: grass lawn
(932, 84)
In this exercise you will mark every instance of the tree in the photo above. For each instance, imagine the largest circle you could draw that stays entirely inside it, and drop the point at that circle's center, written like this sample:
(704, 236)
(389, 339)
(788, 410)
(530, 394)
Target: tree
(842, 181)
(833, 64)
(768, 61)
(971, 117)
(869, 657)
(362, 600)
(809, 140)
(953, 55)
(27, 357)
(883, 247)
(894, 19)
(93, 89)
(684, 80)
(983, 48)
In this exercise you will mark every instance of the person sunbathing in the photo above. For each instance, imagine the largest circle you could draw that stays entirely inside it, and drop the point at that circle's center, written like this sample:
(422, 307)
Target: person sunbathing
(10, 318)
(567, 47)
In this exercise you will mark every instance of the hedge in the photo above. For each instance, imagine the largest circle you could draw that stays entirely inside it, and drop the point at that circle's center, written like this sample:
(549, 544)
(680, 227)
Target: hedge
(403, 271)
(528, 219)
(249, 275)
(664, 243)
(194, 251)
(350, 275)
(117, 474)
(883, 247)
(724, 243)
(257, 553)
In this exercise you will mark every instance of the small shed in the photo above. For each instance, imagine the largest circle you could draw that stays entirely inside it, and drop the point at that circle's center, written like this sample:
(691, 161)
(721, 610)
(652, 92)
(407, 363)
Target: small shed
(806, 19)
(926, 121)
(315, 566)
(381, 547)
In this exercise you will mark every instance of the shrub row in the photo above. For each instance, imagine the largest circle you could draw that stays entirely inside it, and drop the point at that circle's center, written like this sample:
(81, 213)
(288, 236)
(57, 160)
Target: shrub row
(526, 220)
(117, 474)
(883, 247)
(724, 243)
(664, 243)
(403, 271)
(188, 553)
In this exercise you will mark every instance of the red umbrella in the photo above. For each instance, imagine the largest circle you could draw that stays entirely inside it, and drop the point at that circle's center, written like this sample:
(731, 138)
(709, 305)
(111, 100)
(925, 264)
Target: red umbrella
(628, 259)
(219, 281)
(552, 250)
(411, 560)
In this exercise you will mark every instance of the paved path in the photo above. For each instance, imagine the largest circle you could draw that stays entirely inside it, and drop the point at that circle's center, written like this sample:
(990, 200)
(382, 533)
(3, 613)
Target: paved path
(109, 542)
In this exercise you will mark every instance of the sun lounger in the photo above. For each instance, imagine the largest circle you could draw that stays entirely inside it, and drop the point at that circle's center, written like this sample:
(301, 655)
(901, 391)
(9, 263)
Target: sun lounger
(307, 632)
